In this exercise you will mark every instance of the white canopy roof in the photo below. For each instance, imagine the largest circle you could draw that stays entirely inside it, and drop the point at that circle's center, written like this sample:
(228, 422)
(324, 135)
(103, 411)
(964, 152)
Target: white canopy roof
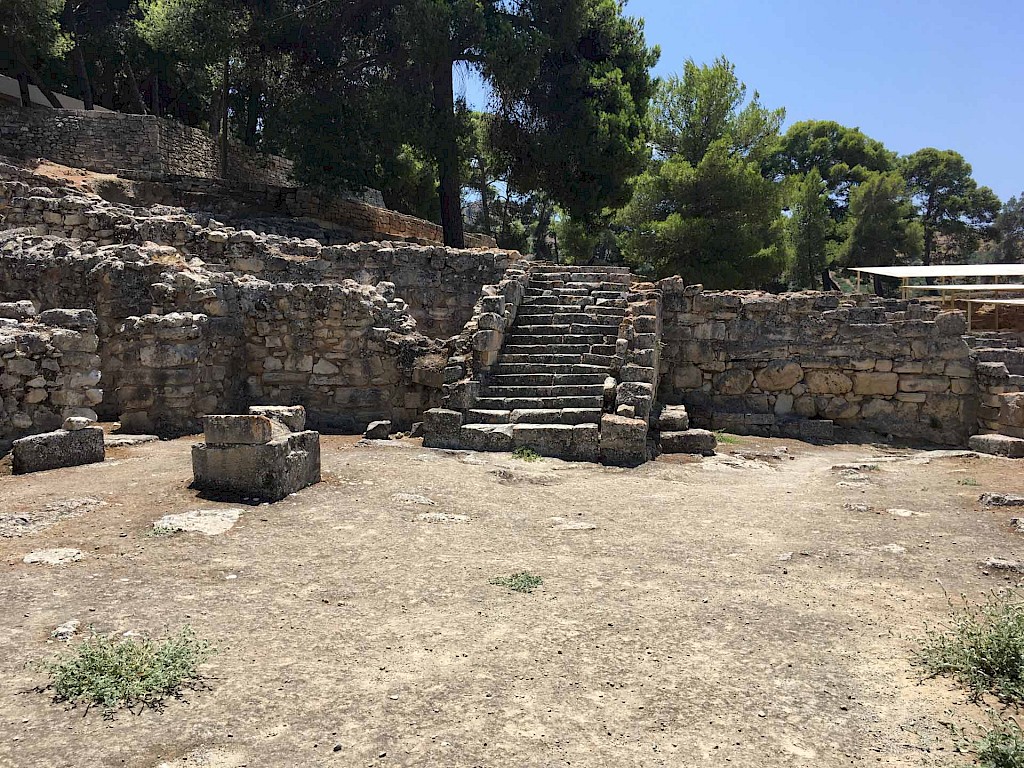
(971, 288)
(947, 270)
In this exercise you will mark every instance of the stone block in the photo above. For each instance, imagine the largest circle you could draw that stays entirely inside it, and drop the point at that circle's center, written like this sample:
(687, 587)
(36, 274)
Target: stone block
(486, 437)
(873, 383)
(53, 450)
(694, 441)
(623, 440)
(825, 382)
(998, 445)
(292, 417)
(238, 430)
(74, 319)
(378, 430)
(674, 418)
(1011, 410)
(441, 428)
(779, 376)
(735, 381)
(268, 472)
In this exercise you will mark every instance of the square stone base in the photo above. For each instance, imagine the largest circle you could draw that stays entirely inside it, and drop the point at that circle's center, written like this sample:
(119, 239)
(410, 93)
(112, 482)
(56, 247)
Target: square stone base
(268, 472)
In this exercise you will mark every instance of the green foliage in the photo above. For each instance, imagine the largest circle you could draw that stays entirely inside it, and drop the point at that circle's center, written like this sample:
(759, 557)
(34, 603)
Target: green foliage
(843, 156)
(1009, 226)
(1002, 746)
(968, 481)
(518, 582)
(704, 209)
(526, 454)
(726, 439)
(810, 230)
(34, 25)
(949, 201)
(982, 649)
(114, 673)
(881, 228)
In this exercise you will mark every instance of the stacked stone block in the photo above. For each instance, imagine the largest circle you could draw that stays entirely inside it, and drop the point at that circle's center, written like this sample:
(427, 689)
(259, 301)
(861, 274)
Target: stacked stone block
(49, 369)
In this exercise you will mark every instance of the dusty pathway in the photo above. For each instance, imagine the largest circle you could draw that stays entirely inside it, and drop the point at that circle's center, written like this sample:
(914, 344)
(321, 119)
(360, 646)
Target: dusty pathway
(759, 608)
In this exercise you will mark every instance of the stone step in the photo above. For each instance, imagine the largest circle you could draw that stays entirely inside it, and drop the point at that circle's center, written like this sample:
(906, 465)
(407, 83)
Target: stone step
(527, 340)
(531, 310)
(534, 416)
(512, 403)
(502, 369)
(557, 390)
(569, 329)
(605, 319)
(543, 358)
(540, 349)
(574, 442)
(545, 379)
(540, 268)
(563, 292)
(583, 276)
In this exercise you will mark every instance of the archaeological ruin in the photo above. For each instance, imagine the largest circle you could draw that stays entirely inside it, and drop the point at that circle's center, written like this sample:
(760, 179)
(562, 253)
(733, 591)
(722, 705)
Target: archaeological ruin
(159, 297)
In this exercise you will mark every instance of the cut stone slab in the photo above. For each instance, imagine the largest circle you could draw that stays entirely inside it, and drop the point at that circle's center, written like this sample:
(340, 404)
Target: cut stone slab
(486, 437)
(126, 441)
(237, 430)
(998, 445)
(674, 418)
(75, 423)
(1001, 500)
(694, 441)
(441, 428)
(292, 417)
(623, 441)
(207, 521)
(54, 450)
(59, 556)
(268, 472)
(378, 430)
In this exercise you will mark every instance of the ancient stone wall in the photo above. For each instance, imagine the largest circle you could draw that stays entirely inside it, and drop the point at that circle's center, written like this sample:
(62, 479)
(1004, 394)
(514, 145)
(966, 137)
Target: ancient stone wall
(174, 369)
(49, 368)
(763, 364)
(131, 145)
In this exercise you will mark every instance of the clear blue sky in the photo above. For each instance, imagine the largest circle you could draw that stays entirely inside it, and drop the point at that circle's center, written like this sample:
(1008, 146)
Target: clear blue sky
(911, 74)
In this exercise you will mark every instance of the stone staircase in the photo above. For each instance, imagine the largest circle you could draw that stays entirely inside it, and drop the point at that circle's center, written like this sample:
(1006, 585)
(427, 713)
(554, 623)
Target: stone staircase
(548, 389)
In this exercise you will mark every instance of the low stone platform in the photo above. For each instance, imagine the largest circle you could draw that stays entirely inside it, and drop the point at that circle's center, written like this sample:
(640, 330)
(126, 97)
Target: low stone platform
(998, 445)
(60, 448)
(264, 455)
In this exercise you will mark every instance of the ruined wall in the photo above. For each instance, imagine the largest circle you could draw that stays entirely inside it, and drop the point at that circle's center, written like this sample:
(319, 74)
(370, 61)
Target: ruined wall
(174, 369)
(763, 364)
(131, 145)
(344, 351)
(149, 148)
(49, 369)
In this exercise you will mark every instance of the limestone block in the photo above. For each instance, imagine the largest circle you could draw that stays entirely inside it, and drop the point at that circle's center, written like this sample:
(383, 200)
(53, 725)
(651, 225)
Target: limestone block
(674, 418)
(74, 319)
(292, 417)
(998, 445)
(486, 437)
(779, 375)
(873, 383)
(1011, 410)
(623, 440)
(441, 428)
(950, 324)
(923, 384)
(735, 381)
(491, 321)
(487, 341)
(687, 376)
(269, 471)
(378, 430)
(695, 441)
(238, 430)
(827, 382)
(53, 450)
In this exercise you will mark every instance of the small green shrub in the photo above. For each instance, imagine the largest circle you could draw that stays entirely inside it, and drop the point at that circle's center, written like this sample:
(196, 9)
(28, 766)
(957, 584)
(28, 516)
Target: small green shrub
(726, 439)
(518, 582)
(968, 481)
(122, 672)
(1002, 746)
(526, 454)
(983, 647)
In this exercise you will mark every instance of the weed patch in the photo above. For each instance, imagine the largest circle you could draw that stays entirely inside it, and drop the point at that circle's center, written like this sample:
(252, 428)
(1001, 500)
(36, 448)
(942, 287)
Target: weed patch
(518, 582)
(124, 672)
(726, 439)
(968, 481)
(1001, 747)
(526, 454)
(982, 648)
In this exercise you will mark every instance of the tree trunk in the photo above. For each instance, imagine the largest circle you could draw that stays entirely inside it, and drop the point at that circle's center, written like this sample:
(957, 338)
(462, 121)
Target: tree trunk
(155, 95)
(540, 235)
(928, 235)
(252, 111)
(26, 95)
(224, 120)
(447, 156)
(34, 76)
(134, 94)
(485, 204)
(82, 75)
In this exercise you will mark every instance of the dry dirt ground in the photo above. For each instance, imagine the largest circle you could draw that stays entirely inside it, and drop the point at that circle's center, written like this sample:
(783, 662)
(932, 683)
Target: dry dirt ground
(760, 608)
